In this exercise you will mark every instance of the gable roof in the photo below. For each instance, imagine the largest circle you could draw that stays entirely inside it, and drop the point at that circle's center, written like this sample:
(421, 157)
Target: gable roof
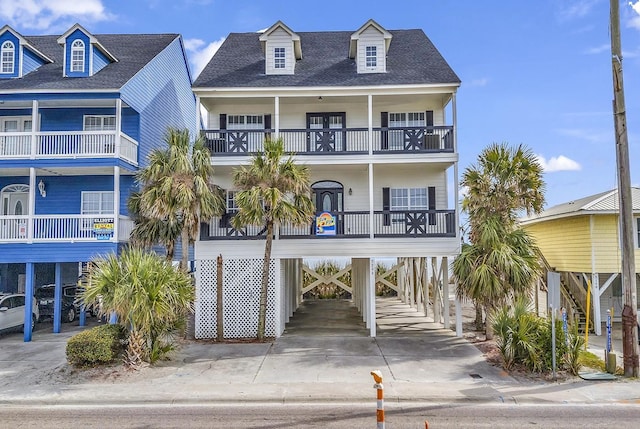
(411, 59)
(92, 39)
(294, 37)
(602, 203)
(25, 43)
(133, 51)
(356, 36)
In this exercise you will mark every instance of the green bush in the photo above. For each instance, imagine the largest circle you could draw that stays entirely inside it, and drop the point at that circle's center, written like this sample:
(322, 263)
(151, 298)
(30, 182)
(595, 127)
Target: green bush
(96, 346)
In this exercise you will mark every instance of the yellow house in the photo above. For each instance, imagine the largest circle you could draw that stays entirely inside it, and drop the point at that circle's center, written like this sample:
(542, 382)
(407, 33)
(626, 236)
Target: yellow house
(581, 240)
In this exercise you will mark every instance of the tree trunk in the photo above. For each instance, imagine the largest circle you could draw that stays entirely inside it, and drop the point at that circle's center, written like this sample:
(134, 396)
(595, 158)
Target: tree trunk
(488, 329)
(184, 263)
(262, 313)
(478, 322)
(219, 305)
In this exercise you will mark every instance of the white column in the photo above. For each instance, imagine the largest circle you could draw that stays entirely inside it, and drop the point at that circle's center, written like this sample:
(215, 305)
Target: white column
(116, 202)
(455, 168)
(198, 117)
(370, 126)
(595, 299)
(371, 286)
(276, 116)
(35, 127)
(371, 214)
(458, 315)
(118, 128)
(445, 290)
(32, 203)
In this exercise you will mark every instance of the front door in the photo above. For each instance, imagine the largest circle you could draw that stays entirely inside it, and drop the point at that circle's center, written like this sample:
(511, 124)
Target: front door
(328, 197)
(326, 132)
(15, 202)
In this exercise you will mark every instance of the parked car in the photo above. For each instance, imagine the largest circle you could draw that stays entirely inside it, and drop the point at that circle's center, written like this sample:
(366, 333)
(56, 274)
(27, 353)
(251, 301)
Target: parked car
(45, 295)
(12, 311)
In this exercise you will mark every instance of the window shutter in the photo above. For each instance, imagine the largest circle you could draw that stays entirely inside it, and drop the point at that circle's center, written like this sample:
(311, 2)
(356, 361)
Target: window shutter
(224, 219)
(431, 197)
(431, 140)
(267, 126)
(429, 120)
(384, 137)
(386, 217)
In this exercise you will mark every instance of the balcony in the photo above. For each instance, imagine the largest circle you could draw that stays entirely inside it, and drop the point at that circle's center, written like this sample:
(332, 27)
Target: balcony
(62, 228)
(334, 141)
(74, 144)
(352, 224)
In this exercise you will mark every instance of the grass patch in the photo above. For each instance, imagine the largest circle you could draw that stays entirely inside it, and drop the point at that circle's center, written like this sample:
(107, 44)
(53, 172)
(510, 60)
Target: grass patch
(589, 360)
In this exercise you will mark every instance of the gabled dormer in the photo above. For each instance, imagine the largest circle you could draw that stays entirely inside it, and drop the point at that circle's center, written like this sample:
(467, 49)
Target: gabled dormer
(84, 55)
(369, 47)
(17, 56)
(281, 47)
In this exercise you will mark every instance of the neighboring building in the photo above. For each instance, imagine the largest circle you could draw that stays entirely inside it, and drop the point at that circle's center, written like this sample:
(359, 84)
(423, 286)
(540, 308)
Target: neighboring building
(79, 114)
(581, 240)
(372, 113)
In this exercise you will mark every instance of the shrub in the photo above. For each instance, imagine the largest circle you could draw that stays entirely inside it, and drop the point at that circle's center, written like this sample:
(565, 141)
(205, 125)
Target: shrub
(96, 346)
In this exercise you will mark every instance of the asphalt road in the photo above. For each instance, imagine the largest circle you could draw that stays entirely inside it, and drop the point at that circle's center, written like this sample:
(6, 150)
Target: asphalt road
(358, 415)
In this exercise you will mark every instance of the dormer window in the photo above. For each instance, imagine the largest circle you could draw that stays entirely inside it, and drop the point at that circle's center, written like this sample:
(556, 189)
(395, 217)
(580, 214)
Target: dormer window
(371, 57)
(279, 58)
(7, 53)
(77, 56)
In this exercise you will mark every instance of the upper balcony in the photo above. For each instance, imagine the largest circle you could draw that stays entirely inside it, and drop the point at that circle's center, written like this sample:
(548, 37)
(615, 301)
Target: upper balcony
(68, 145)
(335, 141)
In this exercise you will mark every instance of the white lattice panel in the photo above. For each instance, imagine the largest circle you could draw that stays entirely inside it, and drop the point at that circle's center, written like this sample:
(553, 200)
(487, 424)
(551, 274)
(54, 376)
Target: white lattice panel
(241, 294)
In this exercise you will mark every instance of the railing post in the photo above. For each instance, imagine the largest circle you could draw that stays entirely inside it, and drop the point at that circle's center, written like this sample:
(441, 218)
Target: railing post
(118, 132)
(34, 122)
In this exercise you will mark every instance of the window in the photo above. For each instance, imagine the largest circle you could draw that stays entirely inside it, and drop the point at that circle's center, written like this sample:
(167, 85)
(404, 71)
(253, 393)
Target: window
(245, 122)
(99, 123)
(411, 119)
(371, 57)
(8, 57)
(232, 207)
(77, 56)
(638, 230)
(408, 199)
(279, 58)
(97, 203)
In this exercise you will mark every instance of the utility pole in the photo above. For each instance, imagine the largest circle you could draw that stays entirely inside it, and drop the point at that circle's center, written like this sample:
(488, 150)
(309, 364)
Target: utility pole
(629, 312)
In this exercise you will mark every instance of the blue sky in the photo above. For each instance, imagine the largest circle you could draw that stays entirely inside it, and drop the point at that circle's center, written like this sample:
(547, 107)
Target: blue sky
(533, 72)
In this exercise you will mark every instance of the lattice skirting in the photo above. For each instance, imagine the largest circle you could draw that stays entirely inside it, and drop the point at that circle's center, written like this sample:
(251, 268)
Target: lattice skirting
(241, 298)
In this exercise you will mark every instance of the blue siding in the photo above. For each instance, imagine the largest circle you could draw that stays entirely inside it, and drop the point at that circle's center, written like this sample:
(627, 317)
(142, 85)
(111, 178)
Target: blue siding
(99, 61)
(78, 34)
(80, 162)
(15, 112)
(30, 61)
(161, 92)
(131, 123)
(60, 96)
(65, 119)
(7, 35)
(127, 186)
(54, 252)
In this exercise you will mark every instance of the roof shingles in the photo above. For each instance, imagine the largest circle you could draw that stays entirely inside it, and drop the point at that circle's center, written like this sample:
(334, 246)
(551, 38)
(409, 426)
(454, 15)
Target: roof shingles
(133, 52)
(412, 59)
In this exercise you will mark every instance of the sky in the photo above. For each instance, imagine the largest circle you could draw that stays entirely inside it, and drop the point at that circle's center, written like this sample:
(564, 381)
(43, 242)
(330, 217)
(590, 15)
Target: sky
(536, 73)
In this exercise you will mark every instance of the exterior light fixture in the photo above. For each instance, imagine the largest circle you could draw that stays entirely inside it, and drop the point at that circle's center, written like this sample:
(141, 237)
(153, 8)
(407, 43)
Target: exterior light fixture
(350, 191)
(41, 188)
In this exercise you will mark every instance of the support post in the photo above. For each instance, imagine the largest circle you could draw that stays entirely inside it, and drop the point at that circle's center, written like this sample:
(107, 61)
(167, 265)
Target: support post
(445, 291)
(57, 299)
(28, 300)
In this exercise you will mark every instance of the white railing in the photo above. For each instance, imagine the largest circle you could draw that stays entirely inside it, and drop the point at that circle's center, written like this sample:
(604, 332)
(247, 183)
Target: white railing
(68, 227)
(65, 144)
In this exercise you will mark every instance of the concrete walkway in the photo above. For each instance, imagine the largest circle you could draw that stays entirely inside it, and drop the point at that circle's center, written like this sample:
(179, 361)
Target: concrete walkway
(324, 355)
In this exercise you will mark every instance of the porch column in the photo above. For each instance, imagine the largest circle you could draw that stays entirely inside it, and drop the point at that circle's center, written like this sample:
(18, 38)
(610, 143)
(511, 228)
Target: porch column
(458, 314)
(57, 299)
(455, 168)
(28, 300)
(370, 275)
(35, 127)
(595, 299)
(198, 118)
(276, 119)
(445, 290)
(118, 127)
(371, 214)
(370, 126)
(32, 204)
(116, 202)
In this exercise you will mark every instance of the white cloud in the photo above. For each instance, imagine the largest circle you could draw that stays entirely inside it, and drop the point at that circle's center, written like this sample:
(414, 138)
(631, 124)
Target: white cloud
(200, 53)
(586, 135)
(634, 21)
(577, 9)
(479, 82)
(558, 163)
(599, 49)
(42, 15)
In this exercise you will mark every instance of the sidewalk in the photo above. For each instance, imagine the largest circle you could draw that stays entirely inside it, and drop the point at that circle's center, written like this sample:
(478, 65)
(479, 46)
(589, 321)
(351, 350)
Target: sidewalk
(430, 365)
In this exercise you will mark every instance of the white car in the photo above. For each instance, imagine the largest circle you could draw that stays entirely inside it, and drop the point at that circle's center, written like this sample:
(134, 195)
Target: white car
(12, 311)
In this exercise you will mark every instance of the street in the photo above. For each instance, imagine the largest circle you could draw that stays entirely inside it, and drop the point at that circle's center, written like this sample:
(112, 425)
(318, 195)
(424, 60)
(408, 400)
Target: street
(359, 415)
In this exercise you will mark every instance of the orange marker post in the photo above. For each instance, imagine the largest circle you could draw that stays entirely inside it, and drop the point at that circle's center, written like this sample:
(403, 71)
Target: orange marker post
(377, 377)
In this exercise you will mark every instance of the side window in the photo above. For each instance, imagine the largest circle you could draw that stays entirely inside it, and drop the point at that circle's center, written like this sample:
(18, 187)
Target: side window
(279, 59)
(371, 57)
(5, 302)
(18, 301)
(8, 57)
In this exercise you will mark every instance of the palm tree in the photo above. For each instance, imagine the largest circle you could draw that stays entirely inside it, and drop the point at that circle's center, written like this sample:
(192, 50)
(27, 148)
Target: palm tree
(176, 193)
(147, 294)
(500, 262)
(271, 190)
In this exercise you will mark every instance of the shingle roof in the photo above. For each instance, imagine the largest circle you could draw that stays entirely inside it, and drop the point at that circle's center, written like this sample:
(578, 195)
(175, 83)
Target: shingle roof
(604, 202)
(133, 52)
(412, 59)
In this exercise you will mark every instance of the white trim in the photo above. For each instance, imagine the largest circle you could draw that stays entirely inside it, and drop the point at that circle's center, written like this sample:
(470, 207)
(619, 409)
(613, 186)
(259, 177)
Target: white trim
(20, 63)
(310, 91)
(91, 60)
(12, 50)
(77, 45)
